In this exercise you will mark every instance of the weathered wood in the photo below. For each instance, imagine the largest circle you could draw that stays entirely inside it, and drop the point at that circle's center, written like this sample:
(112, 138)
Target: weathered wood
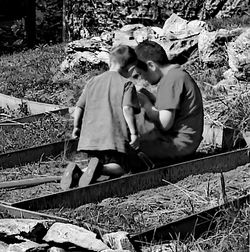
(29, 155)
(22, 213)
(32, 118)
(137, 182)
(29, 182)
(194, 225)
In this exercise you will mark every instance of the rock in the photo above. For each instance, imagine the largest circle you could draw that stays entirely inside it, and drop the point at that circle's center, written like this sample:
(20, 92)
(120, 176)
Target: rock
(210, 44)
(68, 233)
(174, 24)
(118, 240)
(124, 38)
(180, 37)
(178, 50)
(3, 246)
(239, 55)
(27, 246)
(144, 34)
(92, 45)
(158, 31)
(34, 229)
(103, 56)
(130, 28)
(81, 60)
(229, 74)
(56, 249)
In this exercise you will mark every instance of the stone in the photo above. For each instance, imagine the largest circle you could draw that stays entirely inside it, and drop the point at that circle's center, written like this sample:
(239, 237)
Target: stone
(118, 240)
(80, 60)
(239, 54)
(26, 227)
(27, 246)
(68, 233)
(178, 50)
(158, 31)
(92, 44)
(56, 249)
(124, 38)
(210, 44)
(174, 24)
(130, 28)
(3, 246)
(145, 33)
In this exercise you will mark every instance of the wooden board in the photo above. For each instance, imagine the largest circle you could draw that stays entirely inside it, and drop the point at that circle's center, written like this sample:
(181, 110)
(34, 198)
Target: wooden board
(137, 182)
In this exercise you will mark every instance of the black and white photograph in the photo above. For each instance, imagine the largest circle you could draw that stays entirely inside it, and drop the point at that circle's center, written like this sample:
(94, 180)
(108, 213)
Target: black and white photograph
(124, 125)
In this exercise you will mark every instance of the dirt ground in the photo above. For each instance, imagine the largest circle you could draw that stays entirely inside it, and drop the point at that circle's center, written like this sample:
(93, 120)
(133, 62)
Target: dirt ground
(154, 207)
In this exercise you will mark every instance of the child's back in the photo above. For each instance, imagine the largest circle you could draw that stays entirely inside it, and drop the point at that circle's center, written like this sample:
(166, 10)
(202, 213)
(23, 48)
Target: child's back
(103, 125)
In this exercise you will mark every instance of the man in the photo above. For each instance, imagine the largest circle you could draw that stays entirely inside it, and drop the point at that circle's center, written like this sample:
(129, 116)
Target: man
(176, 113)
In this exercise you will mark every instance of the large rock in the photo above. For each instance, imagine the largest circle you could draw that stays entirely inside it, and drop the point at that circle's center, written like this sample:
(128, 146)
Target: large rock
(92, 45)
(29, 228)
(68, 233)
(118, 240)
(211, 45)
(180, 28)
(27, 246)
(83, 61)
(3, 246)
(239, 55)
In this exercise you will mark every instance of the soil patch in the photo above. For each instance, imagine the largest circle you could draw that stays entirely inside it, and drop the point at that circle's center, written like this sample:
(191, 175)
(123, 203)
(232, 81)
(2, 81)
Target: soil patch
(154, 207)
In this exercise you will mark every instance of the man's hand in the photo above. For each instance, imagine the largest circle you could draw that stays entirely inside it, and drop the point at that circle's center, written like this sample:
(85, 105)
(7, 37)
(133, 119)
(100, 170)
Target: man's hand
(134, 143)
(76, 133)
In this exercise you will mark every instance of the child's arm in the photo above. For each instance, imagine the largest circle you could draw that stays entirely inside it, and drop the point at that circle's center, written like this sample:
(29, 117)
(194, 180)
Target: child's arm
(129, 116)
(78, 113)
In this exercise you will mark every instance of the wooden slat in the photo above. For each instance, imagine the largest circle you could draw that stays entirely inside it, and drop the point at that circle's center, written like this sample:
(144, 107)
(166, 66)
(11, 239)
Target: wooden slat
(181, 229)
(30, 155)
(29, 182)
(137, 182)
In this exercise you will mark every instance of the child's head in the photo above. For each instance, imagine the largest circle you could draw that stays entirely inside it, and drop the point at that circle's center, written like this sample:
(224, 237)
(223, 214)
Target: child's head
(124, 56)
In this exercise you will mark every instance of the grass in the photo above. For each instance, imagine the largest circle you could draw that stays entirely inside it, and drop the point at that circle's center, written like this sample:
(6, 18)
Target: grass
(51, 128)
(231, 233)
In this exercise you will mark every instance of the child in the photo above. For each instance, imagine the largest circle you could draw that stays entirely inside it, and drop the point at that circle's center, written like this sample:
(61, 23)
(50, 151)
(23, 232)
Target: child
(104, 119)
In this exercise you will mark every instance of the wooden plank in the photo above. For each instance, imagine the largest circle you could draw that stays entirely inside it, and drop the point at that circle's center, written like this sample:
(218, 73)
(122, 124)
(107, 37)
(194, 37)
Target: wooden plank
(29, 155)
(21, 213)
(137, 182)
(29, 182)
(33, 107)
(181, 229)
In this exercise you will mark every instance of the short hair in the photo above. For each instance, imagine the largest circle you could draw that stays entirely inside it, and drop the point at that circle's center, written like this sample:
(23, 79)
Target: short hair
(150, 50)
(124, 55)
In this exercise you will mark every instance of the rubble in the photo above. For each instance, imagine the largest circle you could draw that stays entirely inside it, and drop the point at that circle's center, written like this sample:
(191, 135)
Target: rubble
(68, 233)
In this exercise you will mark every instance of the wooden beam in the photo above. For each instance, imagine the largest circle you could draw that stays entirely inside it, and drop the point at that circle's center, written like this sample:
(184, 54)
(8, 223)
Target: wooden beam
(35, 154)
(136, 182)
(29, 182)
(181, 229)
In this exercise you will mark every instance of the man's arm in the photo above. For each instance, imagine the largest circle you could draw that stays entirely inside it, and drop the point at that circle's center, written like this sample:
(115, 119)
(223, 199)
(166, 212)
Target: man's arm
(78, 114)
(163, 119)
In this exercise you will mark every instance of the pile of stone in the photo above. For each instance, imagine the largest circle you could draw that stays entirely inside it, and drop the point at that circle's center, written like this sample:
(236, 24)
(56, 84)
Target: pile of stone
(23, 235)
(179, 38)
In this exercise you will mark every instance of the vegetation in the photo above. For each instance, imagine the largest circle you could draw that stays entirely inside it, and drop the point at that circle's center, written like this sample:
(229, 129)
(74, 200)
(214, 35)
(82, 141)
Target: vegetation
(51, 128)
